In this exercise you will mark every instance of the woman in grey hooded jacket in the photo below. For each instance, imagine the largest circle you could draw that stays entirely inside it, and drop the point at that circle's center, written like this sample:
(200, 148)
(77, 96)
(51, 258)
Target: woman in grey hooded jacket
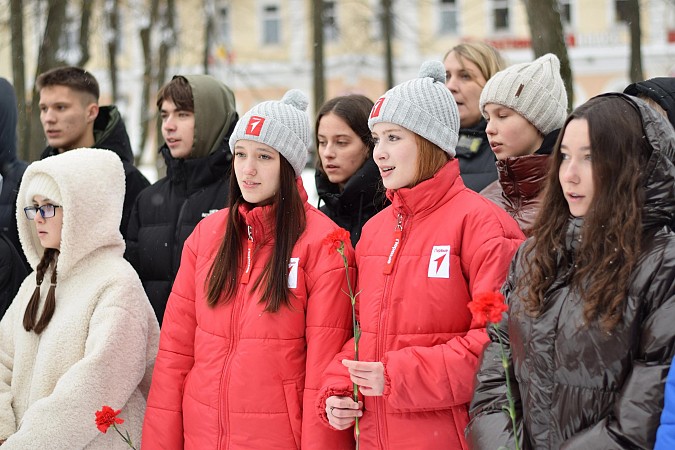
(80, 333)
(589, 334)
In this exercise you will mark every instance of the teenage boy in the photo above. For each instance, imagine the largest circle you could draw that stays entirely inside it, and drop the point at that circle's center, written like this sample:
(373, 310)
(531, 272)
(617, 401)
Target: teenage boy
(198, 115)
(71, 118)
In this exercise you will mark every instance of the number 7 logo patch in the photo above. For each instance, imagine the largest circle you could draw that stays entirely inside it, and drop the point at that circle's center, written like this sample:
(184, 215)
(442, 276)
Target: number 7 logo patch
(439, 262)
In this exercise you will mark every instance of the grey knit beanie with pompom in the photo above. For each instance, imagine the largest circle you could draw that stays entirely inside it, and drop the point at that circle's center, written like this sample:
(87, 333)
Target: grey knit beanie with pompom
(422, 105)
(283, 125)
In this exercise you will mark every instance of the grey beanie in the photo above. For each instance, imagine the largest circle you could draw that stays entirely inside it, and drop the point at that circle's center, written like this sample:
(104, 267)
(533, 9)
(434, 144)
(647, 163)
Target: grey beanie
(534, 90)
(422, 105)
(283, 125)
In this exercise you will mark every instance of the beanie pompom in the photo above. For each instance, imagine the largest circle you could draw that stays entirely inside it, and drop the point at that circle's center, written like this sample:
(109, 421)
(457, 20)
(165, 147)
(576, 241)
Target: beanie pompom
(433, 69)
(296, 98)
(423, 105)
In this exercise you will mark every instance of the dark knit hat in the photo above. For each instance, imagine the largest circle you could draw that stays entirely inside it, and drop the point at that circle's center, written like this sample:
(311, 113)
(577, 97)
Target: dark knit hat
(661, 90)
(283, 125)
(422, 105)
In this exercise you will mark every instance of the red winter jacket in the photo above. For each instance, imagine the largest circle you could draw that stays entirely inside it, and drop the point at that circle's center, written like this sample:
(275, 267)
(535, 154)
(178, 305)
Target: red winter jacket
(235, 377)
(453, 244)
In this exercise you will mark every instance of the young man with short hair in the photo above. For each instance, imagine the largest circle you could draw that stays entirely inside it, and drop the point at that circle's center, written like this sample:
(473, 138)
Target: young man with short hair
(72, 118)
(198, 115)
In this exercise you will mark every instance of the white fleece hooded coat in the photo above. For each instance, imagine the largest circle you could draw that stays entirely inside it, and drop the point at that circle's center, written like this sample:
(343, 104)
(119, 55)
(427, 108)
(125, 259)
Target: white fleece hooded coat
(100, 346)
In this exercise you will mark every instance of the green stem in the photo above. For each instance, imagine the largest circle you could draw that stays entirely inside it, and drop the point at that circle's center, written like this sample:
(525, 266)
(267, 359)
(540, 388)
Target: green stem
(124, 438)
(355, 386)
(509, 396)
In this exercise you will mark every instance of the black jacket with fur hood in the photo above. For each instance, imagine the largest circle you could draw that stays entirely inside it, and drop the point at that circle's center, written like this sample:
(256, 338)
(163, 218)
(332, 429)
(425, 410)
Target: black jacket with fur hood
(166, 212)
(577, 386)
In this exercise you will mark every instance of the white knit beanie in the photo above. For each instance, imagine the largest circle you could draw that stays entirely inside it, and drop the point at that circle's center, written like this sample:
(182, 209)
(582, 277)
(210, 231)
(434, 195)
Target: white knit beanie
(422, 105)
(44, 185)
(283, 125)
(534, 90)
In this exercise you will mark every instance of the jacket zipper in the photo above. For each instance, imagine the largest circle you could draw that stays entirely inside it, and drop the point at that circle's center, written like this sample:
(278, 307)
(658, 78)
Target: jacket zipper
(249, 256)
(397, 242)
(237, 307)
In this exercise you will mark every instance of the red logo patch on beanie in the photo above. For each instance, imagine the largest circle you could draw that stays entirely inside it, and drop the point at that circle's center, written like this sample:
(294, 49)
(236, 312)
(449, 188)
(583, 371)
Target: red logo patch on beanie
(376, 108)
(255, 124)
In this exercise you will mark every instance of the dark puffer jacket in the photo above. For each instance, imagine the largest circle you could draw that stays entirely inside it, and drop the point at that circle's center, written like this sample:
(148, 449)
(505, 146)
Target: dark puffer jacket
(476, 159)
(11, 168)
(519, 189)
(576, 386)
(111, 134)
(362, 198)
(12, 273)
(167, 212)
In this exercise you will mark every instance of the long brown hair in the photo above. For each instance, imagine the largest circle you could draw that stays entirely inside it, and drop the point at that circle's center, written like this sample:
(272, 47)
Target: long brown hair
(290, 221)
(612, 227)
(354, 110)
(30, 319)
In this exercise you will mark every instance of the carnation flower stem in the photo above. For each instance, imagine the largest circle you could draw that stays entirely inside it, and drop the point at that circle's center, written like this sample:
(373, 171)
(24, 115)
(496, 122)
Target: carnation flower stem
(357, 335)
(509, 396)
(126, 438)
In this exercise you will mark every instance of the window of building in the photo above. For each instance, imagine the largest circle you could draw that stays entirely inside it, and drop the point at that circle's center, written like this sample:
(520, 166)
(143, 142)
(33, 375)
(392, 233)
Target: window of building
(222, 24)
(621, 11)
(330, 23)
(500, 15)
(448, 12)
(271, 24)
(565, 8)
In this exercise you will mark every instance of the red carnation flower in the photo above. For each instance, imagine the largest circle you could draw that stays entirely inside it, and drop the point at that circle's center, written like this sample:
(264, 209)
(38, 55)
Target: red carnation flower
(335, 241)
(488, 306)
(107, 417)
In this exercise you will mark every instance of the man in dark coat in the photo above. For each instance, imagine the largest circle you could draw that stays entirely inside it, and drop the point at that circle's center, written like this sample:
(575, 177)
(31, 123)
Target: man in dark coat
(13, 264)
(71, 118)
(198, 115)
(11, 168)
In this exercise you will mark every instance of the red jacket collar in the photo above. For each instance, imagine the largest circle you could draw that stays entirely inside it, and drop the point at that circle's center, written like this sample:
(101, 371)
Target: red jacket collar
(262, 219)
(429, 194)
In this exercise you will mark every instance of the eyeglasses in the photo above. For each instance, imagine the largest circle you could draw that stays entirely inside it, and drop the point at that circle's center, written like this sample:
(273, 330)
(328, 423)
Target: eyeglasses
(46, 211)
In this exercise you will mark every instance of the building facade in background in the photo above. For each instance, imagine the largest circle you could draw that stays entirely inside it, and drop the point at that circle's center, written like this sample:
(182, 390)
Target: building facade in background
(261, 48)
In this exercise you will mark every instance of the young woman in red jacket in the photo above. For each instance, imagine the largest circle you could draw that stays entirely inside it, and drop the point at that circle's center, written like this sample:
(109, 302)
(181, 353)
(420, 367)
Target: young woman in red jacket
(420, 260)
(257, 310)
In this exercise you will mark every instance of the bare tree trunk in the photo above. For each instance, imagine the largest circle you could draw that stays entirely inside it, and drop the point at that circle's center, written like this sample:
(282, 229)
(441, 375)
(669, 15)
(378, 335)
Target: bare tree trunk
(112, 41)
(387, 31)
(56, 17)
(547, 36)
(633, 11)
(167, 42)
(145, 34)
(209, 12)
(319, 78)
(19, 76)
(84, 31)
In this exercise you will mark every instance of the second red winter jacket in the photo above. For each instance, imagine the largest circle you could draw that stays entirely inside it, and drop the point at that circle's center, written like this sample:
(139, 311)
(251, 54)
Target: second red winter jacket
(234, 376)
(453, 244)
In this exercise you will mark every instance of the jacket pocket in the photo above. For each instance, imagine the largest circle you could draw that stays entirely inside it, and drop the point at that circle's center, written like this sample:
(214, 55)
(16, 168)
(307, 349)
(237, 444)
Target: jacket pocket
(294, 410)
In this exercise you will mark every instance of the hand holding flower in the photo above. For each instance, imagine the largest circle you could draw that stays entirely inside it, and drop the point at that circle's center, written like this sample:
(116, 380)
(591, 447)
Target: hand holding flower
(342, 412)
(369, 376)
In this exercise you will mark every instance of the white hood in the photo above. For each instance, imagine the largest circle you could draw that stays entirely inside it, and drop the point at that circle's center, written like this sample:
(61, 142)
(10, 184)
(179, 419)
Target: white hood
(92, 187)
